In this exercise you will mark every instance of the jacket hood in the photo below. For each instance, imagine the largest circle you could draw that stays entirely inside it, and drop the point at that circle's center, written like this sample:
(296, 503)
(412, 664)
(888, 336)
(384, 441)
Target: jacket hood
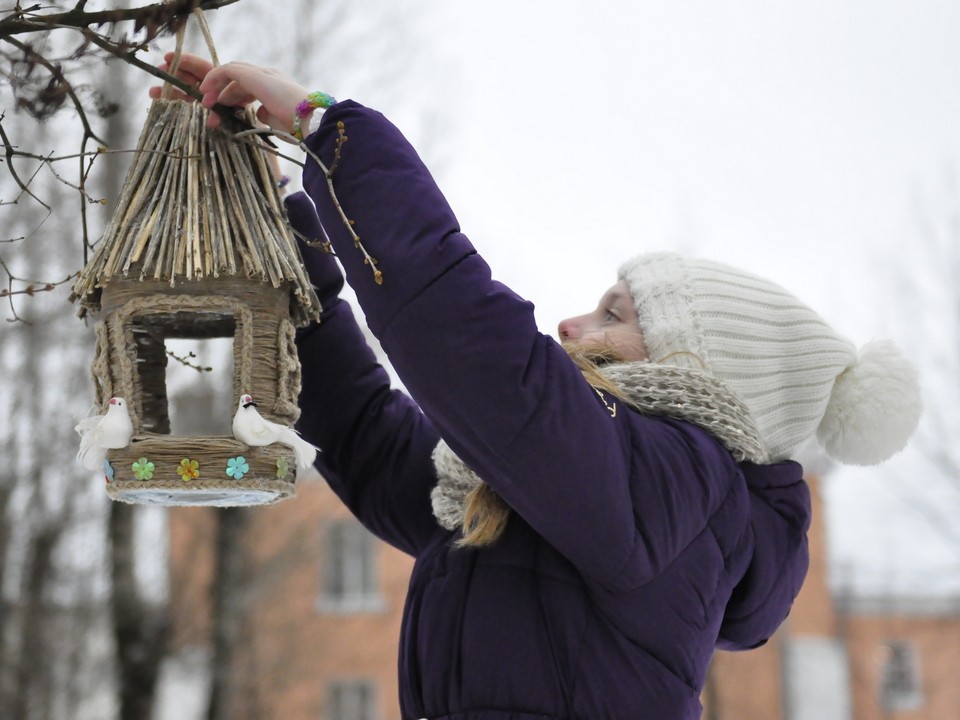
(779, 520)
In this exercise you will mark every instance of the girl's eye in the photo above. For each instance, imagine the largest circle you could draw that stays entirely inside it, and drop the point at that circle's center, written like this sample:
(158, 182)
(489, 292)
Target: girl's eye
(610, 317)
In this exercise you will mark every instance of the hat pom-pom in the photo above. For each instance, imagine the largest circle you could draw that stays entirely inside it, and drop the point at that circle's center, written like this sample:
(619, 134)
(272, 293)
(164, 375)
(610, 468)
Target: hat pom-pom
(874, 407)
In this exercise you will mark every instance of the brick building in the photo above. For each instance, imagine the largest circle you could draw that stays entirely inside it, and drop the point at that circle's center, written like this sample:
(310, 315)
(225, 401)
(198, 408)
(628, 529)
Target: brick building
(322, 622)
(321, 626)
(845, 658)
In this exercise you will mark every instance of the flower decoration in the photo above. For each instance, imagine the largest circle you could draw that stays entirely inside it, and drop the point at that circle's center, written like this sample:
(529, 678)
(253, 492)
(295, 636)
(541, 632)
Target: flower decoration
(283, 467)
(143, 469)
(108, 470)
(237, 467)
(188, 469)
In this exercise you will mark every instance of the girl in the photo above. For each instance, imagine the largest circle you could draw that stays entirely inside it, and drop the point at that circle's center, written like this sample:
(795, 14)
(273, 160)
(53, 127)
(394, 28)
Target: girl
(589, 523)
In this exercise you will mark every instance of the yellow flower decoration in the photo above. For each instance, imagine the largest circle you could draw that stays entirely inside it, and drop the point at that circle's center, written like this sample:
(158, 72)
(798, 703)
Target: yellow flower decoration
(188, 469)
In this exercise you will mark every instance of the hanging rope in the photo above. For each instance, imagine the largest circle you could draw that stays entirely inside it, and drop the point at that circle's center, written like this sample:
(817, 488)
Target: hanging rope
(178, 49)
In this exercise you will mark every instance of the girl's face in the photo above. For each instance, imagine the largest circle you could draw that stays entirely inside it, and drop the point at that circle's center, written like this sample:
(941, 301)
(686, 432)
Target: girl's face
(613, 324)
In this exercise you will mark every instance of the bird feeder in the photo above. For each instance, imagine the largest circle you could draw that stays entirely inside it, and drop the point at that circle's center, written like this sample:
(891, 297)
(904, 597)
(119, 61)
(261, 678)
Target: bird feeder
(198, 248)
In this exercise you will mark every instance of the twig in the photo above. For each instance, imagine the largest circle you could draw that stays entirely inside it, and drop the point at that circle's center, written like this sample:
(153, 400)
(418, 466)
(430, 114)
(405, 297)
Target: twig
(10, 153)
(88, 153)
(31, 288)
(187, 363)
(151, 17)
(79, 187)
(232, 117)
(57, 73)
(84, 174)
(328, 173)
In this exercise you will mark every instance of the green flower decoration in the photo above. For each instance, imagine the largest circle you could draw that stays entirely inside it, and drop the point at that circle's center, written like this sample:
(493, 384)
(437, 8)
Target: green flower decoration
(188, 469)
(237, 467)
(283, 467)
(143, 469)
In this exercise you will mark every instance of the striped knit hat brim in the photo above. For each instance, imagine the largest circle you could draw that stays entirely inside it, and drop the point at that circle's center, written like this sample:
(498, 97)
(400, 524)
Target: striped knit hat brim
(774, 352)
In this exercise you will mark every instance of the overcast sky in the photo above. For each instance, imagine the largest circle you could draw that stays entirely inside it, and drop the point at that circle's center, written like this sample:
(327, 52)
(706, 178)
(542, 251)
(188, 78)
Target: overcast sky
(786, 137)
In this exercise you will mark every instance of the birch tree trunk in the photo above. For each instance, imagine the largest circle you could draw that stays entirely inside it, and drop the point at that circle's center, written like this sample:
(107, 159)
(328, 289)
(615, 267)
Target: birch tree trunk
(231, 595)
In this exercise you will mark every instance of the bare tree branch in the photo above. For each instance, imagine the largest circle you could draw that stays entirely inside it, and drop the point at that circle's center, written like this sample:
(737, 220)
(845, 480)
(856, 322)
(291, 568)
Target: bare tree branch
(9, 153)
(21, 286)
(43, 82)
(155, 18)
(232, 116)
(62, 85)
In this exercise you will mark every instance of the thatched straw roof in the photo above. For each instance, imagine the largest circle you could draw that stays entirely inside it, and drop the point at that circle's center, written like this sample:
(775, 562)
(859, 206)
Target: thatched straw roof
(197, 204)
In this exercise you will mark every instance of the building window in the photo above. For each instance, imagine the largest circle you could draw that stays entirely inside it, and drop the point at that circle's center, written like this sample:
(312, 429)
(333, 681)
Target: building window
(351, 700)
(900, 677)
(349, 571)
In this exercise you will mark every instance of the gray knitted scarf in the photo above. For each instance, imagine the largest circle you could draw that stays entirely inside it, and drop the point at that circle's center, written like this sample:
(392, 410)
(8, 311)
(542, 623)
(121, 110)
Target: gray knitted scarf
(682, 393)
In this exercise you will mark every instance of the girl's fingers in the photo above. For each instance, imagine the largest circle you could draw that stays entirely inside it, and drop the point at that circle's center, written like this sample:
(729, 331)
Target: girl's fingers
(235, 96)
(256, 81)
(213, 85)
(182, 74)
(189, 63)
(173, 94)
(191, 70)
(235, 84)
(273, 122)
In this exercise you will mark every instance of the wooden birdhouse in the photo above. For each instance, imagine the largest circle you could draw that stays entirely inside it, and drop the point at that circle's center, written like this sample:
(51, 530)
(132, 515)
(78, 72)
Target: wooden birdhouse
(198, 248)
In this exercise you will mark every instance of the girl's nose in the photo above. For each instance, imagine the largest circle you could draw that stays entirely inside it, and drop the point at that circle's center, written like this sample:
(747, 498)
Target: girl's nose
(569, 329)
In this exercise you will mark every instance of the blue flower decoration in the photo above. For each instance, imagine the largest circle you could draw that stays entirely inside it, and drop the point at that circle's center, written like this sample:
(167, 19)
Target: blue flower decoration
(108, 470)
(237, 467)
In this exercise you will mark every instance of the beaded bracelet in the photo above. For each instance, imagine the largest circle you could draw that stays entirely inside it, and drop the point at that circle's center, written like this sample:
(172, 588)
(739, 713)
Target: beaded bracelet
(305, 109)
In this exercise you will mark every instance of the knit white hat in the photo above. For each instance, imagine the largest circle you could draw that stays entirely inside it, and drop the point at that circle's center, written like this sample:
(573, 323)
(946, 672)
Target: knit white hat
(796, 375)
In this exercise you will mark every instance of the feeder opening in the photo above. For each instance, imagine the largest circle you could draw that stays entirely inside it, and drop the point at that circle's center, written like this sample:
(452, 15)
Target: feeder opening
(185, 365)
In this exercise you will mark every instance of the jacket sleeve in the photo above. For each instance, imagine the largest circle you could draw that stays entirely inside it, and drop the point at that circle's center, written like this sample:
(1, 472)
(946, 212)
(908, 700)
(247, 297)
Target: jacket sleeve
(780, 517)
(506, 398)
(375, 443)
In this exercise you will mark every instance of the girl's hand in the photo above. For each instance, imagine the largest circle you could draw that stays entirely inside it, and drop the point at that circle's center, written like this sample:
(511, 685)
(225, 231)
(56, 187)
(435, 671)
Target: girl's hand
(191, 70)
(238, 84)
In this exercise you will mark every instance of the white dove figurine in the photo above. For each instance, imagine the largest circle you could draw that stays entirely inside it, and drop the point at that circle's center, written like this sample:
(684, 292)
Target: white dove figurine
(99, 433)
(251, 428)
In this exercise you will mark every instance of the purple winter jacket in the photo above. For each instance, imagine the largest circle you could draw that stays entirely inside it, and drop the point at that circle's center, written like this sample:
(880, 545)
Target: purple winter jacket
(637, 544)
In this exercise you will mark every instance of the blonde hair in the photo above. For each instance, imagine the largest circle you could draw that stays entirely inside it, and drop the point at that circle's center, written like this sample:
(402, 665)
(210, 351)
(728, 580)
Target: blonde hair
(486, 515)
